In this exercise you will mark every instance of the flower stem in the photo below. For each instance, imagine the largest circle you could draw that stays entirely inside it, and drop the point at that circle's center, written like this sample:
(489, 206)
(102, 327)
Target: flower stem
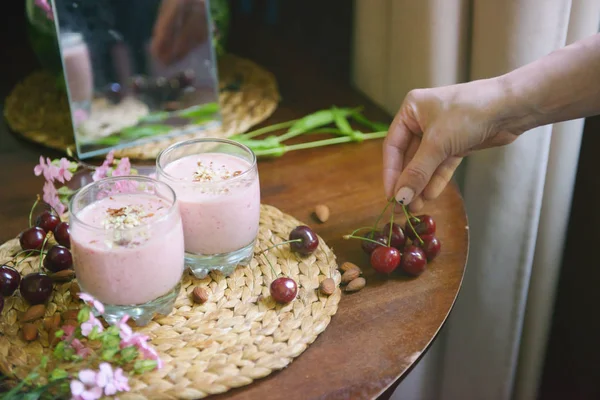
(37, 200)
(317, 143)
(408, 217)
(268, 129)
(279, 244)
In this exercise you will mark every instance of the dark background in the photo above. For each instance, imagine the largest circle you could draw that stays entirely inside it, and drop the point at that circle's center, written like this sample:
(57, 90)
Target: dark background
(324, 29)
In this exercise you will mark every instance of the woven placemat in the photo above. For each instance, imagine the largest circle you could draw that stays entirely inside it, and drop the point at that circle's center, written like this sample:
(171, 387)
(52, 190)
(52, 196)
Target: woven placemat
(39, 111)
(240, 334)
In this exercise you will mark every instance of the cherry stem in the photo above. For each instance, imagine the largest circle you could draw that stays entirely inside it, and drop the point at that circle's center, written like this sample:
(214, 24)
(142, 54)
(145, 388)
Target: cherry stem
(42, 249)
(381, 215)
(37, 200)
(269, 262)
(391, 225)
(364, 227)
(279, 244)
(361, 238)
(410, 224)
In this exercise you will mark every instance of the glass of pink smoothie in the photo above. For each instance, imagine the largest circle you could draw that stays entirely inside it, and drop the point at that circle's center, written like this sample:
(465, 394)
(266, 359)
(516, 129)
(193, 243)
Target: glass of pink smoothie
(218, 192)
(128, 247)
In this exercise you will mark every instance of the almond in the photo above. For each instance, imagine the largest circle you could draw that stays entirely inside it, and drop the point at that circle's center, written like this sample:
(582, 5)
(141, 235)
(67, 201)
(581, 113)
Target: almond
(348, 266)
(30, 332)
(199, 295)
(75, 289)
(71, 322)
(356, 285)
(33, 313)
(52, 322)
(327, 286)
(322, 212)
(70, 314)
(350, 275)
(63, 276)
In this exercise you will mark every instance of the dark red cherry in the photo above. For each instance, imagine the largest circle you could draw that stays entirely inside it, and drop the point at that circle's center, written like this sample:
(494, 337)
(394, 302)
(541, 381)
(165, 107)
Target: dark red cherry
(424, 226)
(385, 259)
(9, 280)
(431, 246)
(47, 221)
(308, 240)
(283, 290)
(369, 246)
(32, 238)
(62, 234)
(413, 260)
(36, 288)
(398, 237)
(58, 258)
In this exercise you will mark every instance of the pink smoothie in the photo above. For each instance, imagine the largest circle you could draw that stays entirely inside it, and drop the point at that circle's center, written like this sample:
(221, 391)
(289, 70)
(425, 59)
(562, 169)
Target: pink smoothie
(135, 253)
(219, 201)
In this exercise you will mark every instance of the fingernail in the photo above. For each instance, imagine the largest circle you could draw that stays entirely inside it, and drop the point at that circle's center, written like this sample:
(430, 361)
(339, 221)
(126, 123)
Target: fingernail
(405, 195)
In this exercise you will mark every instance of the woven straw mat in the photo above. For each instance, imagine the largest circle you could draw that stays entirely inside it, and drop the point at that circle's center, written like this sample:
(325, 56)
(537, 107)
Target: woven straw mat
(240, 334)
(37, 110)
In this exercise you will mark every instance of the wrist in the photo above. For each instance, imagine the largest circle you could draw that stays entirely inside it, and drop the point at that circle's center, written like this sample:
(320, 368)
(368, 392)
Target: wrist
(513, 110)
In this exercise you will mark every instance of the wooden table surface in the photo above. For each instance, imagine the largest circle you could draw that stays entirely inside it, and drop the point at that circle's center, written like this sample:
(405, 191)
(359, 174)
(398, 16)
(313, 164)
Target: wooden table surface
(379, 333)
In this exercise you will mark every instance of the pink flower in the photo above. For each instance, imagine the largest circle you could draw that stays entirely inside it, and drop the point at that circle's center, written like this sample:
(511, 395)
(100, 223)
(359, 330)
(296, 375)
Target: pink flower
(44, 6)
(111, 381)
(69, 333)
(102, 171)
(88, 326)
(85, 388)
(125, 330)
(129, 338)
(91, 301)
(63, 174)
(123, 169)
(46, 168)
(51, 197)
(80, 349)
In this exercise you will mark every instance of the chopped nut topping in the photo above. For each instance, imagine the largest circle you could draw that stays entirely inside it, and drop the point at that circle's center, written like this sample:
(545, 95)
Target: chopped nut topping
(124, 217)
(210, 174)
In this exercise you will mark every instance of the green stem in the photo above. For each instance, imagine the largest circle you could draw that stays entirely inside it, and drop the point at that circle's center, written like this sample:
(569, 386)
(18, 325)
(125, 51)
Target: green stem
(279, 244)
(391, 224)
(268, 129)
(381, 215)
(42, 249)
(410, 224)
(361, 238)
(364, 227)
(318, 143)
(270, 265)
(37, 200)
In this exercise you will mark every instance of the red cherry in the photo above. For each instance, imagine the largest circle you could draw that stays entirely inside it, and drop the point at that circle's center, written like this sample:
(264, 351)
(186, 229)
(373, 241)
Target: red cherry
(58, 258)
(424, 226)
(283, 290)
(385, 259)
(398, 237)
(369, 246)
(413, 260)
(308, 243)
(10, 279)
(431, 246)
(32, 238)
(47, 221)
(36, 288)
(62, 234)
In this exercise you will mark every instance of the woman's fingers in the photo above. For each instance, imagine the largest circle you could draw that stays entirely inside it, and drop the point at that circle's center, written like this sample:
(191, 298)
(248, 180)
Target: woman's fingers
(395, 146)
(441, 177)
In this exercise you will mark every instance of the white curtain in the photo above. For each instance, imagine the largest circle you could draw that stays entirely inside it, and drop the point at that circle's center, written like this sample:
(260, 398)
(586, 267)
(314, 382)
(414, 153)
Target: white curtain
(516, 196)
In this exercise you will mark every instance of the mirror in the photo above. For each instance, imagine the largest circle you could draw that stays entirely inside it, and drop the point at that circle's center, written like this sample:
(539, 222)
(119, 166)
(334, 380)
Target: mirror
(137, 70)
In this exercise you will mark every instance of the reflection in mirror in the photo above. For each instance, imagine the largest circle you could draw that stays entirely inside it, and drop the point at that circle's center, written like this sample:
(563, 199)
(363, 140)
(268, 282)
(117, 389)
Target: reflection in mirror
(137, 70)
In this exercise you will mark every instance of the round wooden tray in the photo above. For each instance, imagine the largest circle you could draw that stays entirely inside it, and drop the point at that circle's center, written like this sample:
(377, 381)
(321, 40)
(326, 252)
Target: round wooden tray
(37, 110)
(240, 334)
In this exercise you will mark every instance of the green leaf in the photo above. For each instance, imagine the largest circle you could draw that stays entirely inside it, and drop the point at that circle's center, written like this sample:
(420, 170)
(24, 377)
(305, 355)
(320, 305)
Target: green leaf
(341, 122)
(141, 366)
(112, 140)
(315, 120)
(59, 333)
(59, 350)
(109, 354)
(155, 117)
(44, 362)
(83, 315)
(58, 374)
(64, 190)
(128, 354)
(136, 132)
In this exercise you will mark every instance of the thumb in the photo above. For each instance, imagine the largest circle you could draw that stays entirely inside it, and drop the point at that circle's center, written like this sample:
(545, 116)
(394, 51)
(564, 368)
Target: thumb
(418, 172)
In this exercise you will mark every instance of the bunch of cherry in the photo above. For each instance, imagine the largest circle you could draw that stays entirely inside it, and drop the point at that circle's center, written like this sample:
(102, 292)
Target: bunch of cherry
(36, 287)
(409, 249)
(303, 241)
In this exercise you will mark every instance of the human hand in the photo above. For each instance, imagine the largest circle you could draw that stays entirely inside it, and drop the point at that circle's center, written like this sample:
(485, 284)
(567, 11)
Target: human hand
(435, 128)
(180, 26)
